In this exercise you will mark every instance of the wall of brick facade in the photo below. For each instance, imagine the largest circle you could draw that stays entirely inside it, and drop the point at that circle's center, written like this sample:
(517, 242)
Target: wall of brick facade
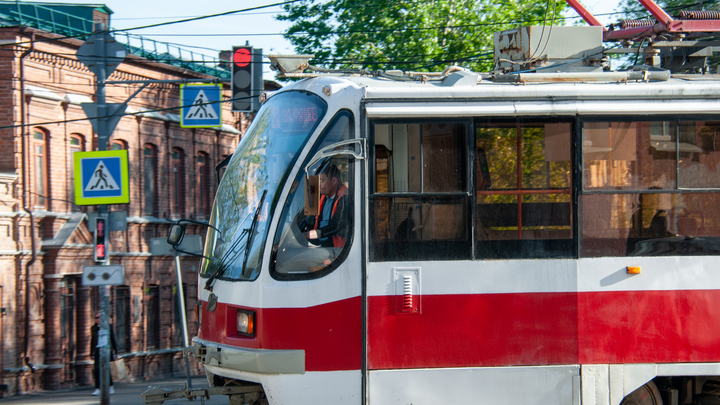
(59, 310)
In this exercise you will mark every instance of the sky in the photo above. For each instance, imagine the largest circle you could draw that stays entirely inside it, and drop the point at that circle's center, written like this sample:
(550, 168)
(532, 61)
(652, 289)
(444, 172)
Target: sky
(259, 28)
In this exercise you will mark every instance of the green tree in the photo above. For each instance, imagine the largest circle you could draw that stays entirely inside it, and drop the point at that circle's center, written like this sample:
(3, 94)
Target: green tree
(409, 34)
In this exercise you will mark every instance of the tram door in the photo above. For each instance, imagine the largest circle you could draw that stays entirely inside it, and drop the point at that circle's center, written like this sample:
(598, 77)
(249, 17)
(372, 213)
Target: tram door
(419, 215)
(443, 308)
(68, 324)
(317, 256)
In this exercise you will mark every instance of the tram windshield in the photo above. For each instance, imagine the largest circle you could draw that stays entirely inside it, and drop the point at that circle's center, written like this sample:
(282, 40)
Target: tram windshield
(246, 197)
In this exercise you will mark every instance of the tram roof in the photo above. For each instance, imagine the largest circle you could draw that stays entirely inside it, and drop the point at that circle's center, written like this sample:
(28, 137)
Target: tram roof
(388, 99)
(680, 86)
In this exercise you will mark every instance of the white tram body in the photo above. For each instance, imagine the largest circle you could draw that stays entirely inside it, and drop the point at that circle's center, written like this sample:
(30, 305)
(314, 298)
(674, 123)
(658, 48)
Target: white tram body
(529, 242)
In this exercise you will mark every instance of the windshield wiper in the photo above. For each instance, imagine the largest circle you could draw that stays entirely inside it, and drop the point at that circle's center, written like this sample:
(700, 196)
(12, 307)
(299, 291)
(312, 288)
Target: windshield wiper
(252, 230)
(229, 254)
(223, 263)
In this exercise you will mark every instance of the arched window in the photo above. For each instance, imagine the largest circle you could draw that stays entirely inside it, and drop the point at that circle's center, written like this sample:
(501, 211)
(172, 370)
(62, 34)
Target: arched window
(77, 144)
(178, 182)
(149, 178)
(203, 186)
(39, 156)
(118, 144)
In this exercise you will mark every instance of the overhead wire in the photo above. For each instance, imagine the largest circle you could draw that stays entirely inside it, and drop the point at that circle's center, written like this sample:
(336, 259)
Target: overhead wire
(206, 16)
(153, 25)
(121, 30)
(230, 100)
(195, 18)
(336, 32)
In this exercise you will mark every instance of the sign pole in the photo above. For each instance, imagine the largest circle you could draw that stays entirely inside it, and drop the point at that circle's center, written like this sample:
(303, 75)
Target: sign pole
(181, 299)
(100, 78)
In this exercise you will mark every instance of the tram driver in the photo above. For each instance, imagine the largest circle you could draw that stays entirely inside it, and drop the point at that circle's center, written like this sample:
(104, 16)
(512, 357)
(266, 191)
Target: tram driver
(329, 228)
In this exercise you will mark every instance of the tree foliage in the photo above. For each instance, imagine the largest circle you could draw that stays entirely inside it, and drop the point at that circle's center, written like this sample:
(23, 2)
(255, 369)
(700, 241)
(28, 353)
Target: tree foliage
(409, 34)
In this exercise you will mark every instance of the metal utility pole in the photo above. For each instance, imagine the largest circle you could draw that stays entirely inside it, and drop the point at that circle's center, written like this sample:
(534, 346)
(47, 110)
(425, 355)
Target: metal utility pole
(102, 54)
(181, 298)
(103, 136)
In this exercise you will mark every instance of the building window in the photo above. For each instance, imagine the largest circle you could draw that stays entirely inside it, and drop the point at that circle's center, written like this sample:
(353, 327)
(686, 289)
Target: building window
(122, 318)
(76, 145)
(118, 145)
(149, 165)
(203, 186)
(178, 177)
(68, 322)
(39, 167)
(152, 295)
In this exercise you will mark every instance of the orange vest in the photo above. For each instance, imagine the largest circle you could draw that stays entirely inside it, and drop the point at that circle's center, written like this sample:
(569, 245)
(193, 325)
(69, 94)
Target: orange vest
(338, 241)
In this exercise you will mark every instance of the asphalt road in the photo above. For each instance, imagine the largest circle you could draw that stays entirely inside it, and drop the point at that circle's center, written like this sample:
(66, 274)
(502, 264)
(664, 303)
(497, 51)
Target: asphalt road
(125, 394)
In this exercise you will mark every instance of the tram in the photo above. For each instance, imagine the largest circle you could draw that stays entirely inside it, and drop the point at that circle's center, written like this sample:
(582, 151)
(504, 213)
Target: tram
(507, 238)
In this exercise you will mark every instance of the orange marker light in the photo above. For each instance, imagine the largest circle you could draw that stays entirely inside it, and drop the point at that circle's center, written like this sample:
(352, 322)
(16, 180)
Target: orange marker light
(633, 269)
(251, 324)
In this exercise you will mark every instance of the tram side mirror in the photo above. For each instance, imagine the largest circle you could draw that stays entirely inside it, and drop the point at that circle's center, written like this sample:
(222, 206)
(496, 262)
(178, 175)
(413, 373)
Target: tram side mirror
(176, 235)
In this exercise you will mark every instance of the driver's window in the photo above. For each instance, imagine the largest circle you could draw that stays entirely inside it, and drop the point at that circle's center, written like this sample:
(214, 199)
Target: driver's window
(316, 225)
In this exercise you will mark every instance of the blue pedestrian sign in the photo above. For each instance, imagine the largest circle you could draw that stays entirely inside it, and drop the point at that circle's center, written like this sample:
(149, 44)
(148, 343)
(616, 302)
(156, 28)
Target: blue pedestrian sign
(101, 177)
(201, 107)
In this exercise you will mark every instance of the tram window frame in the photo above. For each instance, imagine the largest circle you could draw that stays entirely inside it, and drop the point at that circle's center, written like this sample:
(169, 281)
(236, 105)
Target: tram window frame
(551, 222)
(351, 168)
(658, 209)
(389, 244)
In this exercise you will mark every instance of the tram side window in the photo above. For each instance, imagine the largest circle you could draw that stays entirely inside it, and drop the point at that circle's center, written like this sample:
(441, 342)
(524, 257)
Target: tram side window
(523, 190)
(419, 208)
(315, 229)
(650, 188)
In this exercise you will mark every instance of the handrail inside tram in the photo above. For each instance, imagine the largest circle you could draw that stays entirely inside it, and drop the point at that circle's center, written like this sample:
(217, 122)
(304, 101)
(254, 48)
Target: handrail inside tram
(330, 151)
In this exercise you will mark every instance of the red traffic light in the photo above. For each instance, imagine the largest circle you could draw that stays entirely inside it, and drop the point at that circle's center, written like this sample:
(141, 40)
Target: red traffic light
(242, 57)
(100, 240)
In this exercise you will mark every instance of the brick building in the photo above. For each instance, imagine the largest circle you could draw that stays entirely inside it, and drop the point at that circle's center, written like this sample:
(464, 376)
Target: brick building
(45, 312)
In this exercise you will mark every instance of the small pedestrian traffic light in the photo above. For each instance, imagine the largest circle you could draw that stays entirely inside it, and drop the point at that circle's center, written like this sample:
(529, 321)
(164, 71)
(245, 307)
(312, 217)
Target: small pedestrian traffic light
(100, 239)
(242, 78)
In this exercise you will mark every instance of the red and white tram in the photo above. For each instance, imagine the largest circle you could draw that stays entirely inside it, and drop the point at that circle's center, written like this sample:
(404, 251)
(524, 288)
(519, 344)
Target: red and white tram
(525, 238)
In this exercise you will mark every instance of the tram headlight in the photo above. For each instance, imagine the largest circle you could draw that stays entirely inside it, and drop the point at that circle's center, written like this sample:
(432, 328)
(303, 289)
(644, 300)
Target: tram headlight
(246, 323)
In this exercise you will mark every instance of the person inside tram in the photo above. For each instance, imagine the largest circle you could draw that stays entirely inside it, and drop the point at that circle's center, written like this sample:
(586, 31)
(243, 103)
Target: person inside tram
(330, 225)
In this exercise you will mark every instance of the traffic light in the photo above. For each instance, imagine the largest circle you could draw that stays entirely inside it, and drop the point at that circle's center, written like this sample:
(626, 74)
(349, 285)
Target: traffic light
(242, 78)
(246, 83)
(100, 239)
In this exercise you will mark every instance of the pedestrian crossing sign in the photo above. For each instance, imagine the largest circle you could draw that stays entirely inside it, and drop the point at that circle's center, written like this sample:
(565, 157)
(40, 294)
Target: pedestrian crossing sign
(101, 177)
(200, 105)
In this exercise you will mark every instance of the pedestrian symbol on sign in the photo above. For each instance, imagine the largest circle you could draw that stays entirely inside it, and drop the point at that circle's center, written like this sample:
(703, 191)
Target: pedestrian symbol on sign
(200, 105)
(200, 108)
(101, 179)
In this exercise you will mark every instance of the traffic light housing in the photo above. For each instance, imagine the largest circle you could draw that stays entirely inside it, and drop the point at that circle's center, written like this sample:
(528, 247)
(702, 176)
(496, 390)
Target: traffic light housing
(246, 83)
(100, 242)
